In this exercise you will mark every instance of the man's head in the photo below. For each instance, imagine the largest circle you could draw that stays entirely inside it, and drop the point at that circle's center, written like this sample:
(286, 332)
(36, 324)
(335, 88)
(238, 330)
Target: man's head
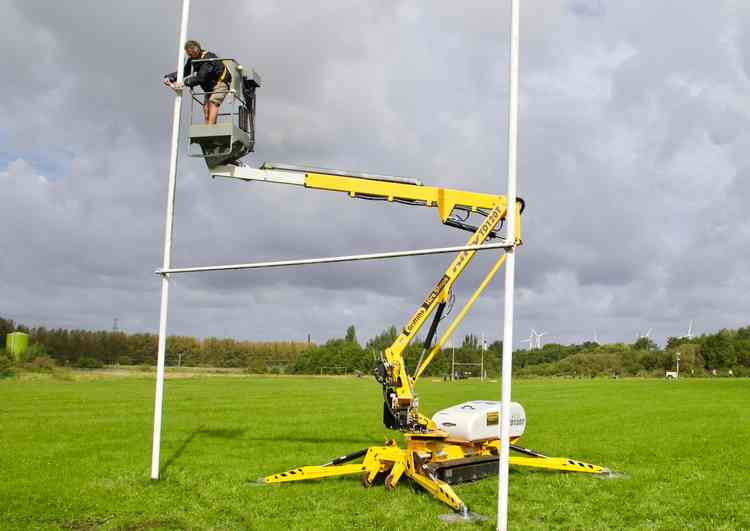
(193, 49)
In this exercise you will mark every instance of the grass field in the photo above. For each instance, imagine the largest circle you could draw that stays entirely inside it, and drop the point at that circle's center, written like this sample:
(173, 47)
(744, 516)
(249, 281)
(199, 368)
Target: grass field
(74, 454)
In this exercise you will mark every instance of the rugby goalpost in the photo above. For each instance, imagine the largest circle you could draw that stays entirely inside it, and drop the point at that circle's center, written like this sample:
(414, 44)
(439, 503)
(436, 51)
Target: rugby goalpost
(509, 248)
(333, 370)
(462, 372)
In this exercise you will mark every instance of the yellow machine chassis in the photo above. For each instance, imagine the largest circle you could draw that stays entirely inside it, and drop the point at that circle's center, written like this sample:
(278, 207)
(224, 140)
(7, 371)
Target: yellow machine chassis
(416, 461)
(428, 450)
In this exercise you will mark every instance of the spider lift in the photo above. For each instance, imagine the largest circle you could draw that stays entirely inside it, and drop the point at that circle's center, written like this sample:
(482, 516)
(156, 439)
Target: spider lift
(457, 444)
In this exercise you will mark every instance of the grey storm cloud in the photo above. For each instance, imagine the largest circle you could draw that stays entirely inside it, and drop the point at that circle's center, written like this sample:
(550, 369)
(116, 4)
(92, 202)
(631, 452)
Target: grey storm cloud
(634, 162)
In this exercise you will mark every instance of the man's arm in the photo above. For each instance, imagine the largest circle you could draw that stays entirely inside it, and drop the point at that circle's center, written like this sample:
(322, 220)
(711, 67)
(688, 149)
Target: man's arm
(172, 78)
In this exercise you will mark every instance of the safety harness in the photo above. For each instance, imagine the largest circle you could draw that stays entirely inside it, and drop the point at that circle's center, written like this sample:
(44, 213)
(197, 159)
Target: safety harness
(223, 73)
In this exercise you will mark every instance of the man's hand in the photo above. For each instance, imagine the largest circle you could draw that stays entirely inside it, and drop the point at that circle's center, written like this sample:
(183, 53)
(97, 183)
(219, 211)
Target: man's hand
(177, 87)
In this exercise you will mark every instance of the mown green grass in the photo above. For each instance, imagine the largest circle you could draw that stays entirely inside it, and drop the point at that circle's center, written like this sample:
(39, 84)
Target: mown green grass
(75, 454)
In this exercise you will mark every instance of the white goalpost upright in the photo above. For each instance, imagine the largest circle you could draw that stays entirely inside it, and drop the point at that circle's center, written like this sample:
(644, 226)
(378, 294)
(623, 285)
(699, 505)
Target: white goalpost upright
(510, 264)
(161, 352)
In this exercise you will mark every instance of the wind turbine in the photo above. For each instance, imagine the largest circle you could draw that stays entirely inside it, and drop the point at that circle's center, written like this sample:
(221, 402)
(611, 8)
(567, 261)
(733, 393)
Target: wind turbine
(530, 340)
(689, 334)
(539, 339)
(646, 334)
(596, 337)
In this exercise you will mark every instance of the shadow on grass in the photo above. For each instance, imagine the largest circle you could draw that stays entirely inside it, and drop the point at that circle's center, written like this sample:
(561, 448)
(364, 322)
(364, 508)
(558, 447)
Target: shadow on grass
(154, 523)
(221, 433)
(316, 440)
(227, 433)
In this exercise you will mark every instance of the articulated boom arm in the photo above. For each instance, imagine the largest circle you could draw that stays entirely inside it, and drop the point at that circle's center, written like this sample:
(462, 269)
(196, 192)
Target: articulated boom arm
(400, 403)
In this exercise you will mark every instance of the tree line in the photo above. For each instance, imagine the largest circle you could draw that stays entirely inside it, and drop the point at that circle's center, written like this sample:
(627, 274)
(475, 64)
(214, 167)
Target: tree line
(709, 354)
(347, 355)
(92, 349)
(723, 351)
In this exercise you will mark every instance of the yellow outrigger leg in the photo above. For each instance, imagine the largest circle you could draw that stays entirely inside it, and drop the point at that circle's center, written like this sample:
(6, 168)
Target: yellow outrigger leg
(389, 461)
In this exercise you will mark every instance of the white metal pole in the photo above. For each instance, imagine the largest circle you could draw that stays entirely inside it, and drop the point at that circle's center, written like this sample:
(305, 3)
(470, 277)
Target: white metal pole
(158, 400)
(453, 361)
(507, 361)
(334, 259)
(481, 368)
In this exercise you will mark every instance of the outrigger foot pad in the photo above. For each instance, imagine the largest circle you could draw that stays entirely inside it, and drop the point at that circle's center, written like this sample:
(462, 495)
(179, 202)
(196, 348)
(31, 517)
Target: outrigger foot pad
(464, 517)
(611, 474)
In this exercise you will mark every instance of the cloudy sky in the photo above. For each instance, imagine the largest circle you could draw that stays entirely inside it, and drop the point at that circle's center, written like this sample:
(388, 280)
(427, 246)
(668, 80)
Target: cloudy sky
(634, 162)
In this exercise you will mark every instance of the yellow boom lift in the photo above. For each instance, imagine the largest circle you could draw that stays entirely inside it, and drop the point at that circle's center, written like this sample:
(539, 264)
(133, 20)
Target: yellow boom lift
(459, 443)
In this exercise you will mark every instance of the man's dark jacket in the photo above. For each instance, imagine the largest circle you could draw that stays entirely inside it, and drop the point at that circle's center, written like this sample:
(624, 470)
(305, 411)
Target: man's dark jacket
(207, 73)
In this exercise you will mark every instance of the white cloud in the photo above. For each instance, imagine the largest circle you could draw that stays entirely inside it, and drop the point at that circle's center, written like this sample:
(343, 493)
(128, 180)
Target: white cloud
(634, 164)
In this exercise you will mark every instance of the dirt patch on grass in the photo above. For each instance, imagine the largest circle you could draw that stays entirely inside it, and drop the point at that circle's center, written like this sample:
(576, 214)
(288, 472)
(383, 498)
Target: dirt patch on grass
(155, 523)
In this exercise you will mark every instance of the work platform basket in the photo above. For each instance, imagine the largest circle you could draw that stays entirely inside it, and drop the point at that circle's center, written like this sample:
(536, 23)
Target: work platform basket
(233, 135)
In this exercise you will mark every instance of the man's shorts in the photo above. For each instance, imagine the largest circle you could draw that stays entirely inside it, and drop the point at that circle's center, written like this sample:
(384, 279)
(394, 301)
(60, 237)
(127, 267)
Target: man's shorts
(218, 94)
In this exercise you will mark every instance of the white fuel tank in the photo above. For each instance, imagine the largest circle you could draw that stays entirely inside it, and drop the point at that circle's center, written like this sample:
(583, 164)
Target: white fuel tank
(479, 420)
